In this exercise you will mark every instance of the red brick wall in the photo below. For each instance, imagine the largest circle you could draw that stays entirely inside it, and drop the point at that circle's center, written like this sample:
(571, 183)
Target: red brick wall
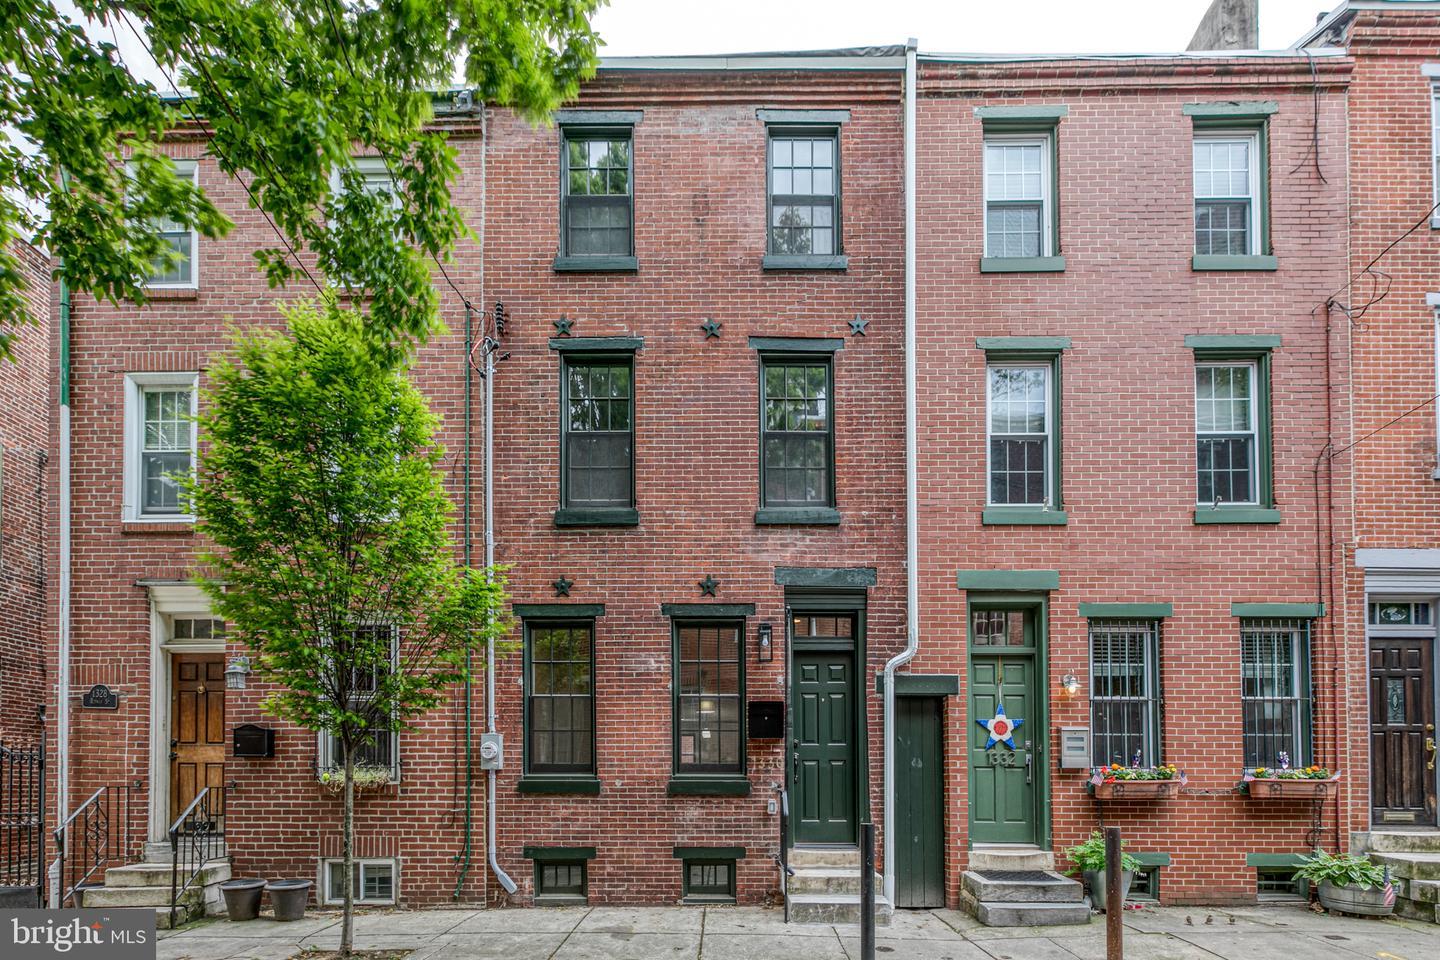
(24, 442)
(1127, 299)
(700, 210)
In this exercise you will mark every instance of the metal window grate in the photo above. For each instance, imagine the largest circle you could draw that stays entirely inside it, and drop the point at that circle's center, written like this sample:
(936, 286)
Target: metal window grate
(710, 880)
(560, 878)
(1275, 691)
(1125, 691)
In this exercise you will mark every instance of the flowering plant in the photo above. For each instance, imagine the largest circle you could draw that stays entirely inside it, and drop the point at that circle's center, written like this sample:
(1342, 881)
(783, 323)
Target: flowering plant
(1115, 772)
(1293, 773)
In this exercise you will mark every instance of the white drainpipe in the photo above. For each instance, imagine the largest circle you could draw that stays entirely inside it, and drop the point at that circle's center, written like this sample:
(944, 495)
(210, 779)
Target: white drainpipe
(912, 548)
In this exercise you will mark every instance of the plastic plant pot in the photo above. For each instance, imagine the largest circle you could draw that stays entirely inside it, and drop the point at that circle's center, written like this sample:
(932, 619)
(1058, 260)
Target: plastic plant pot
(1095, 880)
(242, 898)
(288, 898)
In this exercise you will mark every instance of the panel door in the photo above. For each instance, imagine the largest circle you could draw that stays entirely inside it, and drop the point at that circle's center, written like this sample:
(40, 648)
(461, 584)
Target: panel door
(919, 803)
(1402, 730)
(823, 768)
(1003, 806)
(197, 727)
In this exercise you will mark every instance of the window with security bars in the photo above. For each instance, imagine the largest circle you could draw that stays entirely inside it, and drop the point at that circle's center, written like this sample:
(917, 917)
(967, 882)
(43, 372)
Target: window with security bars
(1017, 197)
(167, 448)
(1125, 691)
(1226, 194)
(804, 194)
(797, 434)
(1275, 692)
(560, 698)
(708, 696)
(1225, 433)
(560, 879)
(598, 442)
(1020, 426)
(710, 880)
(383, 748)
(597, 206)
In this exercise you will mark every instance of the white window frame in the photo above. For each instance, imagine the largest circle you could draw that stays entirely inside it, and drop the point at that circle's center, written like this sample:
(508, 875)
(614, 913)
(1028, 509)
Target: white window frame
(1254, 430)
(136, 385)
(325, 744)
(1434, 300)
(1047, 187)
(1251, 137)
(369, 168)
(1048, 503)
(192, 169)
(1434, 144)
(331, 897)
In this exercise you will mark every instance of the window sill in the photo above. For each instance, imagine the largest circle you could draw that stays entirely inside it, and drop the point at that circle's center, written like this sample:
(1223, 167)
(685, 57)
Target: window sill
(776, 261)
(1203, 263)
(172, 293)
(578, 785)
(1023, 516)
(1022, 264)
(797, 516)
(597, 517)
(708, 787)
(1236, 515)
(597, 264)
(174, 528)
(559, 900)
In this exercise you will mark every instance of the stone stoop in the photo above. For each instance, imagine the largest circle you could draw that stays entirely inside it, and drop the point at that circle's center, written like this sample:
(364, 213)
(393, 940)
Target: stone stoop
(1414, 861)
(148, 885)
(826, 887)
(1023, 898)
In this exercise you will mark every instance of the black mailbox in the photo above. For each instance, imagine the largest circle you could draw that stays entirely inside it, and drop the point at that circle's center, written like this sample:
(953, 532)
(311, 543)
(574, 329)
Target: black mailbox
(767, 719)
(254, 741)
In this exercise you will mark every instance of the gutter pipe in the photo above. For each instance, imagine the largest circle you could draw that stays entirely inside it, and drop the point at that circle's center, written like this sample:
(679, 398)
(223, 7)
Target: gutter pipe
(62, 682)
(912, 549)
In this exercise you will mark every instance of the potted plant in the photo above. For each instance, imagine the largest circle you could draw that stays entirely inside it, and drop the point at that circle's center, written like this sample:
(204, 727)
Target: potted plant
(1286, 782)
(1349, 884)
(1117, 781)
(367, 777)
(1089, 859)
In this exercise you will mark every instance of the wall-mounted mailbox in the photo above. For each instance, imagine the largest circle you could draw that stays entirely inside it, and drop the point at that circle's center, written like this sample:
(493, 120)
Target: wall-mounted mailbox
(254, 741)
(1074, 748)
(767, 719)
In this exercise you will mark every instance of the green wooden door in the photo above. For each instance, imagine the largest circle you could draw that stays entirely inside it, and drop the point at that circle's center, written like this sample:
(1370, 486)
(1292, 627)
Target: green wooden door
(919, 803)
(823, 770)
(1003, 794)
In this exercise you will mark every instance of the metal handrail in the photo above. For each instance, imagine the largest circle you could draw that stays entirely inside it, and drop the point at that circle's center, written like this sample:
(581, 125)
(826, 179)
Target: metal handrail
(78, 810)
(199, 824)
(784, 859)
(104, 834)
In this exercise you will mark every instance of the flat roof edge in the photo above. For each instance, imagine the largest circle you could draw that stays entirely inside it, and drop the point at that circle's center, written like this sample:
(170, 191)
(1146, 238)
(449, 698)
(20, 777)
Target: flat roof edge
(753, 63)
(1290, 53)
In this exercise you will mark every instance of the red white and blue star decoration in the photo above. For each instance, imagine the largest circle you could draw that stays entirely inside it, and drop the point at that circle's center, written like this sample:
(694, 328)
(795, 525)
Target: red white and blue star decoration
(1001, 728)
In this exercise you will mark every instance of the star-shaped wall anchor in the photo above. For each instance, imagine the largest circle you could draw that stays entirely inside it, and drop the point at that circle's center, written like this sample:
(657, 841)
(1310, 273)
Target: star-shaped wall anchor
(708, 586)
(562, 586)
(858, 325)
(711, 328)
(562, 326)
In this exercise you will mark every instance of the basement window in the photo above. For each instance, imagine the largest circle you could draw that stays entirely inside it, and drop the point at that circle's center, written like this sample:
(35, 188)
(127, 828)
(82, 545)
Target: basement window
(1145, 888)
(1280, 884)
(560, 881)
(709, 881)
(372, 882)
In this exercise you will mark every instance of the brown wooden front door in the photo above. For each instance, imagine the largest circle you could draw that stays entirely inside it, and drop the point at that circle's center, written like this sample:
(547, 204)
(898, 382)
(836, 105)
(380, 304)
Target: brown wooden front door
(197, 727)
(1402, 730)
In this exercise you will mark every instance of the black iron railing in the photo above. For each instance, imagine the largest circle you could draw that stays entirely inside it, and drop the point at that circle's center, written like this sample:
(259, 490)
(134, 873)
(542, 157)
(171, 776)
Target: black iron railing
(196, 838)
(784, 857)
(22, 818)
(93, 837)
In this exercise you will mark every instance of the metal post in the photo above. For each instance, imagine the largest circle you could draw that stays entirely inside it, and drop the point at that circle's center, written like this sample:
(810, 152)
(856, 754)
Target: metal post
(1114, 897)
(867, 891)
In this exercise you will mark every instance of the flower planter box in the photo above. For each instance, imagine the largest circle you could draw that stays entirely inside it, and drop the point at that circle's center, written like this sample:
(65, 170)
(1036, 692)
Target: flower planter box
(1270, 788)
(1136, 789)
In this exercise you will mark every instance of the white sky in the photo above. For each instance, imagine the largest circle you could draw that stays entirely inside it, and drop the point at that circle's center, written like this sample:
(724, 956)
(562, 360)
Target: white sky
(650, 27)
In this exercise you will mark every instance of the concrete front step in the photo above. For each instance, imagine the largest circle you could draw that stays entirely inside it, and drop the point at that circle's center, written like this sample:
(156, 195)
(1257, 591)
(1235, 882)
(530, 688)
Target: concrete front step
(996, 887)
(1032, 914)
(1411, 866)
(139, 897)
(827, 880)
(1396, 841)
(825, 857)
(834, 908)
(158, 874)
(988, 857)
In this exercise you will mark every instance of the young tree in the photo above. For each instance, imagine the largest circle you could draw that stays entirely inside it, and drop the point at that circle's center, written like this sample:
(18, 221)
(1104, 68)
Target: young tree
(320, 495)
(285, 91)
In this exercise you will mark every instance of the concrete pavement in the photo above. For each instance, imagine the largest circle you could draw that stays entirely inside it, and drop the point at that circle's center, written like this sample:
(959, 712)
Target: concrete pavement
(750, 933)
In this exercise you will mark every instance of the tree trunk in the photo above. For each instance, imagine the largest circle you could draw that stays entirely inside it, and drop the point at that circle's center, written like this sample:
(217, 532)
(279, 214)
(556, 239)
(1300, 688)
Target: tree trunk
(347, 830)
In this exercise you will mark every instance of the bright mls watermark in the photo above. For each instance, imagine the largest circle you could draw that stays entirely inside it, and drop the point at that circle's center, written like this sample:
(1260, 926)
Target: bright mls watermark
(78, 934)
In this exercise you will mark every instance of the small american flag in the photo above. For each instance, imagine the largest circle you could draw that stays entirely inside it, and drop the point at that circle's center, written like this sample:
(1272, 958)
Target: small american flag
(1389, 889)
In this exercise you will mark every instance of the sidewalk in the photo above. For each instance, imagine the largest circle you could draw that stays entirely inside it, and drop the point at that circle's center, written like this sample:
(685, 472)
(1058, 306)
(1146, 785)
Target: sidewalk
(749, 933)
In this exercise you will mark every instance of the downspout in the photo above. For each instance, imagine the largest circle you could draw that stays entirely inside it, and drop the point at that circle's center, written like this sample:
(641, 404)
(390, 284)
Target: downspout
(912, 547)
(465, 851)
(62, 683)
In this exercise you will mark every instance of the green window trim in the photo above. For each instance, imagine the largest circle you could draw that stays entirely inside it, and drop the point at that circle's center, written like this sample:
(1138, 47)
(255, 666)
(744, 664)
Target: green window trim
(708, 853)
(1240, 117)
(1008, 580)
(589, 355)
(1040, 121)
(1278, 611)
(1295, 860)
(700, 611)
(703, 785)
(602, 345)
(582, 125)
(796, 354)
(708, 880)
(841, 577)
(1231, 110)
(1254, 349)
(799, 345)
(797, 517)
(1022, 264)
(595, 264)
(577, 778)
(580, 786)
(558, 611)
(698, 778)
(1023, 516)
(1152, 859)
(1004, 347)
(1127, 611)
(1039, 113)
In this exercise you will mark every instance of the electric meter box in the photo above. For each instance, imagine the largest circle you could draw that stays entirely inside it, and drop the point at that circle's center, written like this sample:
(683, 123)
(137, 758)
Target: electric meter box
(1074, 748)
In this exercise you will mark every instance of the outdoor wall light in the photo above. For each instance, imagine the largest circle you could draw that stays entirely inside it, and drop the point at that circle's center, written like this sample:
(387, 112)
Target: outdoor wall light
(765, 650)
(237, 673)
(1070, 683)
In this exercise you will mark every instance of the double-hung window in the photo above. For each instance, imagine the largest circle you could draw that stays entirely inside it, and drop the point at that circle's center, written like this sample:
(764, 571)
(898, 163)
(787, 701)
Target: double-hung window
(804, 193)
(709, 697)
(1435, 146)
(1227, 193)
(560, 698)
(177, 268)
(598, 434)
(1275, 691)
(1125, 691)
(597, 209)
(377, 644)
(159, 445)
(1018, 197)
(797, 431)
(1022, 429)
(1225, 433)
